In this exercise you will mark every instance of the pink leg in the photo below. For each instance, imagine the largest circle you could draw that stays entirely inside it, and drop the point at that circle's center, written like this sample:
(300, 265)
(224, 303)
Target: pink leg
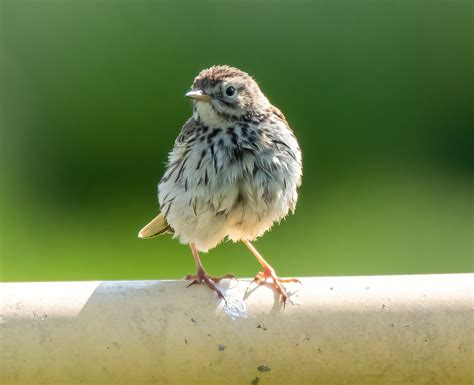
(201, 275)
(269, 272)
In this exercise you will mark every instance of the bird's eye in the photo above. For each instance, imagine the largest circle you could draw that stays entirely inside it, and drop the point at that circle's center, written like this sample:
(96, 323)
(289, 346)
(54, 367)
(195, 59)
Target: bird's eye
(230, 91)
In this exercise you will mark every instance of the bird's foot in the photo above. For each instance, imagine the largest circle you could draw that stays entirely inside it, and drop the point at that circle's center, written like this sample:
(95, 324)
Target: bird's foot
(263, 276)
(209, 280)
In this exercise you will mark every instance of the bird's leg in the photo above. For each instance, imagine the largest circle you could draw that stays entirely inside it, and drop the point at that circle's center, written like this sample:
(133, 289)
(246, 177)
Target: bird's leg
(269, 272)
(201, 275)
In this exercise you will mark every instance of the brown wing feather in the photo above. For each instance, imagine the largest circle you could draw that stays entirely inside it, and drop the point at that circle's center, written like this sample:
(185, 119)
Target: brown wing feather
(280, 115)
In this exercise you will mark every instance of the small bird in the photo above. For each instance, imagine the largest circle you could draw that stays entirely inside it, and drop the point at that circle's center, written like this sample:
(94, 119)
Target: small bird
(233, 172)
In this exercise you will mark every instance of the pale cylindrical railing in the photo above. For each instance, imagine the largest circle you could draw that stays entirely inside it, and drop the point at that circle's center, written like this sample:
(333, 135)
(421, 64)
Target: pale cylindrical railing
(338, 330)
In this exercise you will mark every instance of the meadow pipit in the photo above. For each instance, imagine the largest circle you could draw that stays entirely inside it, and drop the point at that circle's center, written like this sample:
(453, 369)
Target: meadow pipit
(234, 170)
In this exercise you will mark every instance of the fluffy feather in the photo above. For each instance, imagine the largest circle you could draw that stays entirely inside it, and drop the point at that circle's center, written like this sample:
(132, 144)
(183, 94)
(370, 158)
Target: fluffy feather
(235, 167)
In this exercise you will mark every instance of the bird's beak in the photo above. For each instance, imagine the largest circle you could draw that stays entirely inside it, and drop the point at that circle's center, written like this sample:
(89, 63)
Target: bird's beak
(198, 95)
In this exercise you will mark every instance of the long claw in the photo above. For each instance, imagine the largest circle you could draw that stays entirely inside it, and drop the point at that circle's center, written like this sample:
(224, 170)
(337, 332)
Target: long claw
(203, 277)
(192, 283)
(262, 277)
(289, 280)
(268, 272)
(225, 276)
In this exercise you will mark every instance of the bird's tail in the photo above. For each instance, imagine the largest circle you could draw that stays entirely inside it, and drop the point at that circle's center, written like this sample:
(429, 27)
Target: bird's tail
(157, 226)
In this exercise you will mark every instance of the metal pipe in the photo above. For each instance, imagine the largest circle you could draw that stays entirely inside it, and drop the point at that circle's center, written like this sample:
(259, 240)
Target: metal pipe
(338, 330)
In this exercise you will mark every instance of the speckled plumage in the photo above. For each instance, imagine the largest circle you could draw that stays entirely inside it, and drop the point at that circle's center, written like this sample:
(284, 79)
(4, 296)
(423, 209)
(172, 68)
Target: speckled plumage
(232, 172)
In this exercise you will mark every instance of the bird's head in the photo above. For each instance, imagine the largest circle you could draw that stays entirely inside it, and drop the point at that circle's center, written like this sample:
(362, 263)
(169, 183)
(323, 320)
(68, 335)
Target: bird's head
(223, 92)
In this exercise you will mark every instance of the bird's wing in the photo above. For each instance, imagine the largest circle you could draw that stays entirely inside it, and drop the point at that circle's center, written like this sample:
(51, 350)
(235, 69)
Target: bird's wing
(279, 114)
(157, 226)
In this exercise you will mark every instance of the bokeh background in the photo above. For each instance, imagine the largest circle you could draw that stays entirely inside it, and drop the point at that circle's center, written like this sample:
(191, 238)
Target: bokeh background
(379, 94)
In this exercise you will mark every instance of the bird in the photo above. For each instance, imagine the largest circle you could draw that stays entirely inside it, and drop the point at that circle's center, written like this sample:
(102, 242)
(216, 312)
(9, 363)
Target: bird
(234, 171)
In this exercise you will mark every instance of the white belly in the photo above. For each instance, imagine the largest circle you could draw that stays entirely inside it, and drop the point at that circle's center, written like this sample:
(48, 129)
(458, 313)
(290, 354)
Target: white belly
(227, 198)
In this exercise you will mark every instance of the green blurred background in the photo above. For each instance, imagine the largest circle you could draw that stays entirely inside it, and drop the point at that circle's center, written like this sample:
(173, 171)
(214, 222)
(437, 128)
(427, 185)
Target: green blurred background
(378, 93)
